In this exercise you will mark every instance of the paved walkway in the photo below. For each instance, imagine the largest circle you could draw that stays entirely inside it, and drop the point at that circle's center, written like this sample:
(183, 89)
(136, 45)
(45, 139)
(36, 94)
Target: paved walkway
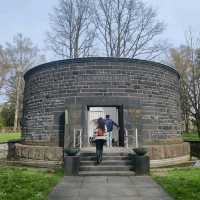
(108, 188)
(108, 149)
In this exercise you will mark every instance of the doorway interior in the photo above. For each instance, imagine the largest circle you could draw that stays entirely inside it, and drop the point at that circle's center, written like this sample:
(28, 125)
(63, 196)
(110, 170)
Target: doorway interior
(116, 114)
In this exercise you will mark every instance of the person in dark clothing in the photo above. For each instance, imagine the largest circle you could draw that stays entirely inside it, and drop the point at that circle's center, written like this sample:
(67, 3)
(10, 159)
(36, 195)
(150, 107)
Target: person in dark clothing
(109, 125)
(100, 139)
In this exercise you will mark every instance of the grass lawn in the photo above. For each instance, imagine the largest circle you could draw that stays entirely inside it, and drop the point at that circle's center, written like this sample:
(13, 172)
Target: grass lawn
(182, 184)
(26, 184)
(190, 137)
(5, 137)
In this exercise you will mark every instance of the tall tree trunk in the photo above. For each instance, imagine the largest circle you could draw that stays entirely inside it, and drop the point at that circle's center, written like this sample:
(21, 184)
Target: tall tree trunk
(198, 127)
(17, 105)
(19, 100)
(186, 125)
(186, 120)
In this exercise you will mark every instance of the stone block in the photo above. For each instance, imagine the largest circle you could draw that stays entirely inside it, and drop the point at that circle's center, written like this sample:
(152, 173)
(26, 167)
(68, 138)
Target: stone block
(164, 151)
(39, 152)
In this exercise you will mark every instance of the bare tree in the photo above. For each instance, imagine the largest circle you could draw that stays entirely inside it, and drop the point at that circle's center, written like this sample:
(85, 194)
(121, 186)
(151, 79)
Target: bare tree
(179, 57)
(188, 64)
(21, 55)
(193, 78)
(127, 28)
(72, 33)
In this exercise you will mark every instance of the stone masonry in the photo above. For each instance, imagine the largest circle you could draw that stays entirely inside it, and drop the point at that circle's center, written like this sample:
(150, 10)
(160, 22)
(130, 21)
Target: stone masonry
(147, 91)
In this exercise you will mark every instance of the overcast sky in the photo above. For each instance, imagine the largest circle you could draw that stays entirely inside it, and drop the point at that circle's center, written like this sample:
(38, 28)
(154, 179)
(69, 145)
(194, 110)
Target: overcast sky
(30, 17)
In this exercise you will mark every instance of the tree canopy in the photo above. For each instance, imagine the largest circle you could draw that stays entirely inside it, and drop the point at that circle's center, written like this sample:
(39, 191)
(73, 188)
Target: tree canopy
(113, 28)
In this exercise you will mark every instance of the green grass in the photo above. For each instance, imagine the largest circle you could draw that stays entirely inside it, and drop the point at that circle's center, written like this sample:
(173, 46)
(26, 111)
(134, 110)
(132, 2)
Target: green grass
(26, 184)
(190, 137)
(6, 137)
(181, 184)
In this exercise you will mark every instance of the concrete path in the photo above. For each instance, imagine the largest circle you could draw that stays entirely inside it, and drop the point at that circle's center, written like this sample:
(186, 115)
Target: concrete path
(108, 188)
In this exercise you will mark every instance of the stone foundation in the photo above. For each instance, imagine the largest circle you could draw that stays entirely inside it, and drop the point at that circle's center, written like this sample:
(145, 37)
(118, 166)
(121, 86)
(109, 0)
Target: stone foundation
(3, 151)
(45, 153)
(169, 161)
(165, 151)
(160, 155)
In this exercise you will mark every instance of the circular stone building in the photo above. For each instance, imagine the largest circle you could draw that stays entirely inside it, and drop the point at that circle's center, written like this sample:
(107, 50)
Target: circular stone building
(63, 99)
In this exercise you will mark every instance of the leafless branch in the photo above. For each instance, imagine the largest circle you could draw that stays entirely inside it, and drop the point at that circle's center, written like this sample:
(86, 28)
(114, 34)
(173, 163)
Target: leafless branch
(72, 31)
(126, 27)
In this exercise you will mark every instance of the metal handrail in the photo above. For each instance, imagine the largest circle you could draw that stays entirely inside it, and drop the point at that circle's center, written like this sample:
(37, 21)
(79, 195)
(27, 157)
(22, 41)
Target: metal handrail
(134, 137)
(126, 138)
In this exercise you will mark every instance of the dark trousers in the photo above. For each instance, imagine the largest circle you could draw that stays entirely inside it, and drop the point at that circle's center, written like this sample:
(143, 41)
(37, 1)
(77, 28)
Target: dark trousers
(99, 149)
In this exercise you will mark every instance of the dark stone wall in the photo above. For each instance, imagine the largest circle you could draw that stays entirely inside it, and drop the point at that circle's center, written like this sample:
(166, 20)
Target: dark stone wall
(194, 148)
(148, 92)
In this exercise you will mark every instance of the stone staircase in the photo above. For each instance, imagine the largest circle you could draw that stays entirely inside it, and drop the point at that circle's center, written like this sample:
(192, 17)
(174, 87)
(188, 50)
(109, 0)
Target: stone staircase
(113, 164)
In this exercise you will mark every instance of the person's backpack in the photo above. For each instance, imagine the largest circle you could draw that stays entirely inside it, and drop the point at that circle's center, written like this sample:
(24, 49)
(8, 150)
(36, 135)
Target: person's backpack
(100, 134)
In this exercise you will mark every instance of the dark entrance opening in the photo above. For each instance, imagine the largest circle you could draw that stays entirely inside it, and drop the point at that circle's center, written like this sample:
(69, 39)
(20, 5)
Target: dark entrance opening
(97, 111)
(61, 129)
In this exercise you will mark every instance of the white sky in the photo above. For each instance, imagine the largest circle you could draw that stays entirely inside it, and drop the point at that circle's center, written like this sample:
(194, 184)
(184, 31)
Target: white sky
(30, 17)
(179, 16)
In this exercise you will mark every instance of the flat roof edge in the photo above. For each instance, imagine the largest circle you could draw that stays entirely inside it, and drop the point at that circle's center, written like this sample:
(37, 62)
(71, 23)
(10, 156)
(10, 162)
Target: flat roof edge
(95, 59)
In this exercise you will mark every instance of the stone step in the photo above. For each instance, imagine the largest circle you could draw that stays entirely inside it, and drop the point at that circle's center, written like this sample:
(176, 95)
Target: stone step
(113, 164)
(106, 173)
(104, 153)
(105, 168)
(106, 162)
(87, 158)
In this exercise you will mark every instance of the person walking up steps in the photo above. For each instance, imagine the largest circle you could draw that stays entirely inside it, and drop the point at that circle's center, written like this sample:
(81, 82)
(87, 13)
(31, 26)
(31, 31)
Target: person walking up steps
(100, 139)
(109, 124)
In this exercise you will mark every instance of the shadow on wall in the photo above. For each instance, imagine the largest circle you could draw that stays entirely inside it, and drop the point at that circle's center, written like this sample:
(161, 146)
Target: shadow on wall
(61, 129)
